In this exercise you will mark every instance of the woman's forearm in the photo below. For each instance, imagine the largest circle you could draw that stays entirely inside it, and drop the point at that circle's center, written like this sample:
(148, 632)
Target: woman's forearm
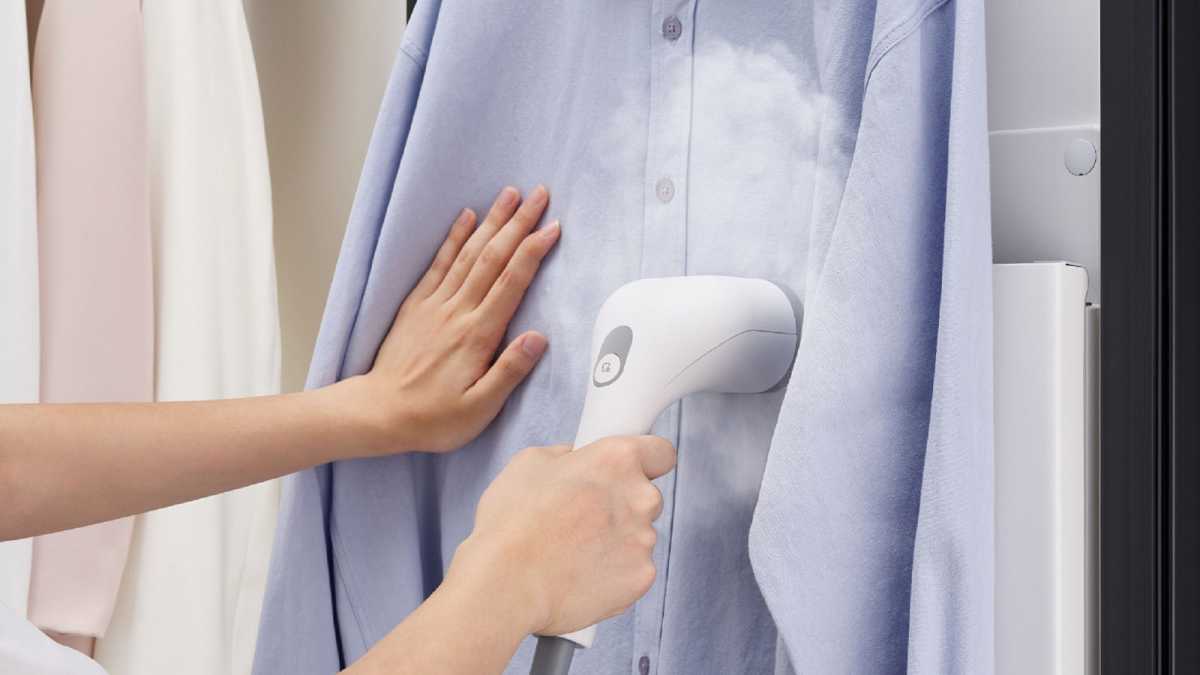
(471, 625)
(63, 466)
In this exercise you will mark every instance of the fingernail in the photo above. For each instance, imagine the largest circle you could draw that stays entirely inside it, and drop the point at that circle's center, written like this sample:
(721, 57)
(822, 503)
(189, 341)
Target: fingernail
(509, 194)
(539, 193)
(462, 215)
(551, 230)
(533, 345)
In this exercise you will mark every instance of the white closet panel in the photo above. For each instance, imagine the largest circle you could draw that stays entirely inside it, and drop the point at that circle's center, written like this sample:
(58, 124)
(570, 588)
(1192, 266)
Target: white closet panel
(1045, 452)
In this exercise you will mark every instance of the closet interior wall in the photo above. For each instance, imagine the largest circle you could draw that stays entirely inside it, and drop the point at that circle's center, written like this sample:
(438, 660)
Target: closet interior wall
(322, 67)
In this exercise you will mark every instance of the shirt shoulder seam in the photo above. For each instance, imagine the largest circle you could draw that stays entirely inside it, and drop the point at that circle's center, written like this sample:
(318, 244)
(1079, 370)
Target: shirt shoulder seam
(898, 33)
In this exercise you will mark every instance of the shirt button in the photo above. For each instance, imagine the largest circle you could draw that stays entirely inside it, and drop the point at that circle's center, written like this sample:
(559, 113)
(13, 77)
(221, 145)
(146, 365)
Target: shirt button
(665, 189)
(644, 665)
(672, 28)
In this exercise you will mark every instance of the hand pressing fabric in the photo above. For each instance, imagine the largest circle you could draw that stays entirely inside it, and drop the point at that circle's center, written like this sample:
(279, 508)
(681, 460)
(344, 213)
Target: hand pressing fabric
(435, 370)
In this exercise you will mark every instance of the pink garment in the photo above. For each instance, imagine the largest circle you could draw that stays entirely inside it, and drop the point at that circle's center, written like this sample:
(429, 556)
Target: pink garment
(96, 274)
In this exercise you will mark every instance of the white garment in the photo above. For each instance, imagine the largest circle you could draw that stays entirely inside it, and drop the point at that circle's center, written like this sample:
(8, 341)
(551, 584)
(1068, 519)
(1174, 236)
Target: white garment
(26, 650)
(19, 344)
(193, 590)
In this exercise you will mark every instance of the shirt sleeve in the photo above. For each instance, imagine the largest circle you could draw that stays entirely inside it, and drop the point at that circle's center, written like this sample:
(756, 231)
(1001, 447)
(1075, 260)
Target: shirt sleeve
(872, 537)
(298, 629)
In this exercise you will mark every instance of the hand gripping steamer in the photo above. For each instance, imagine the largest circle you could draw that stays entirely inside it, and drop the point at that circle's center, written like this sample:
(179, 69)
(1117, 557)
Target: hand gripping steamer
(658, 340)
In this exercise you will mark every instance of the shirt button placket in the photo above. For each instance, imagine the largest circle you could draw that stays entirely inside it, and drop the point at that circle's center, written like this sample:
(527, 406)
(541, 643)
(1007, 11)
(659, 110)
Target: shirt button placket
(664, 254)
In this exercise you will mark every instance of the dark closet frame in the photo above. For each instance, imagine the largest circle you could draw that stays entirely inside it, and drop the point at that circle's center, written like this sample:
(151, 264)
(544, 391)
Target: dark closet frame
(1150, 335)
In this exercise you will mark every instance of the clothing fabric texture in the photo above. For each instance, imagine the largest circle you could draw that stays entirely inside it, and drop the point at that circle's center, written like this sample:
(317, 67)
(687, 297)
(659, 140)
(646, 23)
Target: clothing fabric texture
(95, 268)
(203, 563)
(28, 651)
(843, 524)
(19, 334)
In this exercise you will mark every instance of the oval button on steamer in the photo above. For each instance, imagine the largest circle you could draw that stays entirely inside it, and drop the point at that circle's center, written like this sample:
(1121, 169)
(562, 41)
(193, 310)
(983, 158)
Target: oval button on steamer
(607, 369)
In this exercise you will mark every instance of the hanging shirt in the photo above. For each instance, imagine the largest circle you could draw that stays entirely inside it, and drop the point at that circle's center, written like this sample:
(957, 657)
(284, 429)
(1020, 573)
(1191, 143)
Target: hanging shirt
(96, 295)
(203, 564)
(18, 261)
(26, 650)
(839, 149)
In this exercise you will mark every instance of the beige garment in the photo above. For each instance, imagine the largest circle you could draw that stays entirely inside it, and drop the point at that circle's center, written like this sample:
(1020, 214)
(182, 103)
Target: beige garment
(95, 268)
(197, 571)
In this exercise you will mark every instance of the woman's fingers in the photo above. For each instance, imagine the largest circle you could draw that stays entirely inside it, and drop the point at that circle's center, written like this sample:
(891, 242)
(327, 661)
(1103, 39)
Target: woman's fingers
(515, 362)
(657, 455)
(436, 367)
(506, 293)
(459, 232)
(500, 213)
(499, 249)
(652, 503)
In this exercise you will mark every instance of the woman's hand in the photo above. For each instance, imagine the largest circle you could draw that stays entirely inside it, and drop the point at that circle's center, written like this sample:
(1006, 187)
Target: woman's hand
(562, 540)
(569, 536)
(436, 382)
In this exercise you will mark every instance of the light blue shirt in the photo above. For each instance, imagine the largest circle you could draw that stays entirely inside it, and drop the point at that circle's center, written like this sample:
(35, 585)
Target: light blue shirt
(837, 147)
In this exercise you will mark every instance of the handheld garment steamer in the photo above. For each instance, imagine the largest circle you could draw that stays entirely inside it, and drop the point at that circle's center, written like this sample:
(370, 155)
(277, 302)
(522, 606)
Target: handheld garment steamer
(658, 340)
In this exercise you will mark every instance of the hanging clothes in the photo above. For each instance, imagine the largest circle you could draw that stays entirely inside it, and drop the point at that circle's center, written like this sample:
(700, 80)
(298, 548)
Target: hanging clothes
(96, 286)
(24, 650)
(843, 525)
(203, 564)
(19, 341)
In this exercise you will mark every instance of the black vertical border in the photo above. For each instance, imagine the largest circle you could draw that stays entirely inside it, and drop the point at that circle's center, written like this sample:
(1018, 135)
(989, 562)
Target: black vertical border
(1150, 399)
(1135, 395)
(1183, 334)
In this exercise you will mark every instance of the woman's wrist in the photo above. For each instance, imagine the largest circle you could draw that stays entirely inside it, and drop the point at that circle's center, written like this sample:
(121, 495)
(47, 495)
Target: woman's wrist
(498, 580)
(473, 623)
(372, 427)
